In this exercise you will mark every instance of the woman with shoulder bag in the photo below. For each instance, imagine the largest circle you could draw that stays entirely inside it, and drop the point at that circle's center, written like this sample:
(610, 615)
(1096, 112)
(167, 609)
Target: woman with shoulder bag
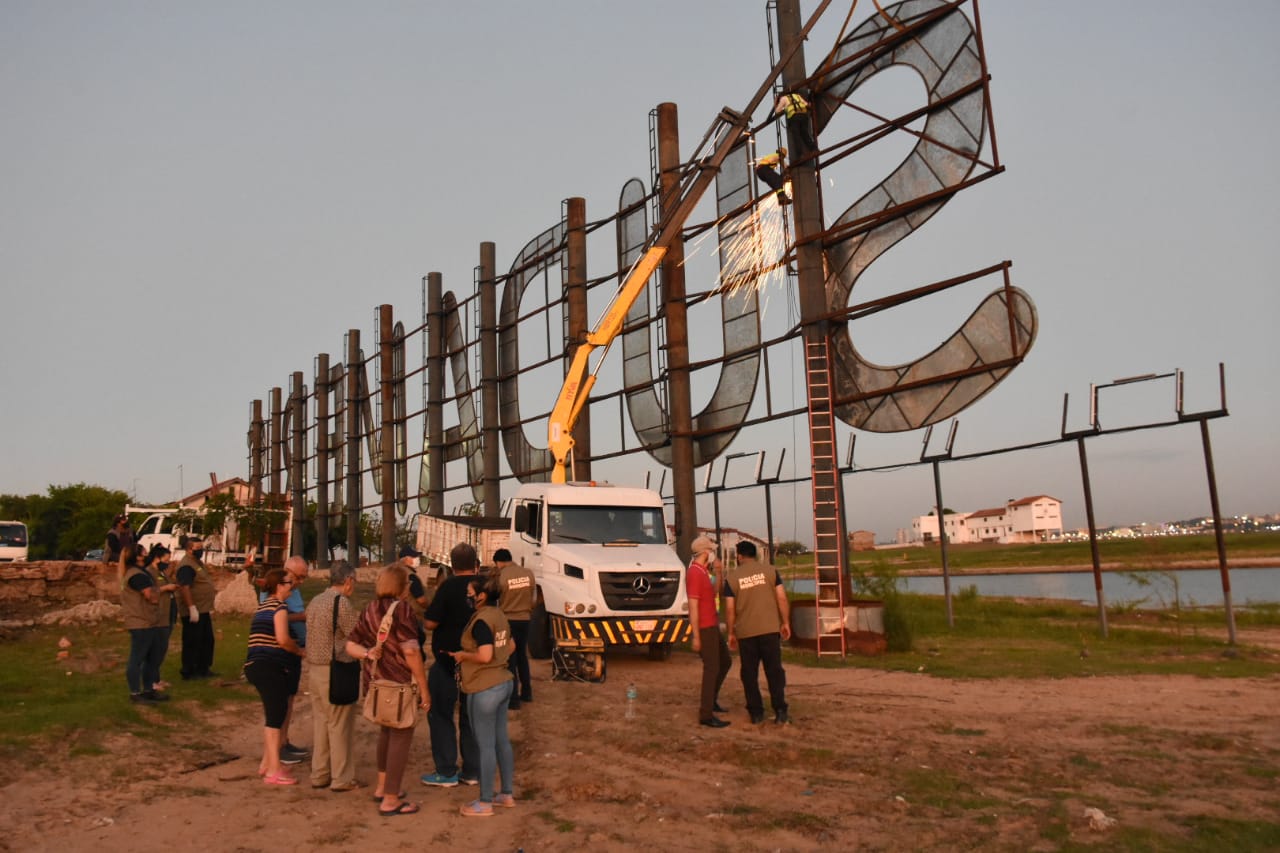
(487, 685)
(386, 637)
(273, 658)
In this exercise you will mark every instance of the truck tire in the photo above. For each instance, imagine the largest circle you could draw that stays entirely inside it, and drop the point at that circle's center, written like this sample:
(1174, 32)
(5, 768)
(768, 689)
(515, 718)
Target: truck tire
(659, 651)
(539, 632)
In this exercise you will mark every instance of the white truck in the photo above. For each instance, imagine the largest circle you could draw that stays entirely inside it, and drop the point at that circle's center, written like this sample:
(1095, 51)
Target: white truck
(166, 525)
(606, 572)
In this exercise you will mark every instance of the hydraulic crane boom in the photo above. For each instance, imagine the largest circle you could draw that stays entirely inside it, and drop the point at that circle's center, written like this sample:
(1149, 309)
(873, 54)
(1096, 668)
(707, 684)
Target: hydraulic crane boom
(576, 389)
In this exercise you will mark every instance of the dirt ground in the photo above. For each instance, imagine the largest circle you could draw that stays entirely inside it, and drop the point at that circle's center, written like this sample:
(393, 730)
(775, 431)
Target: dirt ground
(873, 761)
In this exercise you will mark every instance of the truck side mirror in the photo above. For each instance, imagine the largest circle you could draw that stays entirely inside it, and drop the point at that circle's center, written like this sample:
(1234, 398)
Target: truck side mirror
(522, 518)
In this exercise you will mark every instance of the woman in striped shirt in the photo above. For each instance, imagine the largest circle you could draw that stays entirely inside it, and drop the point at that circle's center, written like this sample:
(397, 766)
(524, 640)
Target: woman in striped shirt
(272, 660)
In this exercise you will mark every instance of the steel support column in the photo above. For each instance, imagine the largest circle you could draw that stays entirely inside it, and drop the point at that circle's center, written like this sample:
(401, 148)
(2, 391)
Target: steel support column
(355, 494)
(575, 287)
(322, 460)
(298, 464)
(490, 429)
(386, 430)
(435, 394)
(679, 396)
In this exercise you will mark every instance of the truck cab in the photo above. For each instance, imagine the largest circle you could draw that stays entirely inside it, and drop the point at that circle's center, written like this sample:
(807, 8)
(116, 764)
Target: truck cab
(13, 542)
(606, 573)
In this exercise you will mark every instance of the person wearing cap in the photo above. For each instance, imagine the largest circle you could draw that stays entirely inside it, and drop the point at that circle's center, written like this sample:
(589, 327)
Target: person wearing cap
(769, 169)
(516, 588)
(197, 592)
(707, 640)
(758, 615)
(119, 537)
(409, 558)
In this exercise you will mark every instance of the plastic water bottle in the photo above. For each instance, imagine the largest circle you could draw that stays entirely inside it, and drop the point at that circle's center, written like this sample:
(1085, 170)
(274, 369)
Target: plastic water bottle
(631, 701)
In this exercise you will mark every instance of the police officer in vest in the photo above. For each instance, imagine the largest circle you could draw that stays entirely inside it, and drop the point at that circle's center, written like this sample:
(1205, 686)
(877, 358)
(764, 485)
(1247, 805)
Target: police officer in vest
(516, 588)
(195, 585)
(758, 617)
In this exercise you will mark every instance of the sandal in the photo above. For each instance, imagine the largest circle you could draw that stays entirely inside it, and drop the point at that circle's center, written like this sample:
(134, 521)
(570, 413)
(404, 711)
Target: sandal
(279, 779)
(403, 808)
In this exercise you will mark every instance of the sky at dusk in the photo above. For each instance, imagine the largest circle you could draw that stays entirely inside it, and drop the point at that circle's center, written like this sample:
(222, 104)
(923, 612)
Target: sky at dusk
(198, 198)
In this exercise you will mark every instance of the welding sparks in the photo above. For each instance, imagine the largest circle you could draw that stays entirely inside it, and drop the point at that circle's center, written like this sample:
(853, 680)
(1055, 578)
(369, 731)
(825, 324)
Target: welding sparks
(754, 249)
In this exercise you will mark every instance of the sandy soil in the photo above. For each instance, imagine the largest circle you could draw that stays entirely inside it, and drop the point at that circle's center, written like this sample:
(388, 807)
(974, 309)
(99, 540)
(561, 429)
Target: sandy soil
(874, 761)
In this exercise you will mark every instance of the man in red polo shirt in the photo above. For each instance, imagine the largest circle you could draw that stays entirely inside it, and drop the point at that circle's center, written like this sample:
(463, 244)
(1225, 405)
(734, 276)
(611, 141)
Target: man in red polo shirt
(707, 639)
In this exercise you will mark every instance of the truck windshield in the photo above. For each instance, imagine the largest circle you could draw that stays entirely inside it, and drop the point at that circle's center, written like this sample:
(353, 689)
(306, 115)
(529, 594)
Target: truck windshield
(606, 525)
(13, 534)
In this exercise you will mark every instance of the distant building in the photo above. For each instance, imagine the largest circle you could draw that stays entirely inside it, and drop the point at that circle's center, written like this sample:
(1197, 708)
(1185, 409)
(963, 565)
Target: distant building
(862, 540)
(1031, 519)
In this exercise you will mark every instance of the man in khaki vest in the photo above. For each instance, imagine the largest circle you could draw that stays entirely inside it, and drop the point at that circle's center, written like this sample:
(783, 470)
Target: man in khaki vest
(758, 616)
(516, 588)
(195, 585)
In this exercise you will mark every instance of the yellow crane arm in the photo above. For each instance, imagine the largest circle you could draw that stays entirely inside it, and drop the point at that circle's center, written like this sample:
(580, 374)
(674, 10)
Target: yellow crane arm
(577, 382)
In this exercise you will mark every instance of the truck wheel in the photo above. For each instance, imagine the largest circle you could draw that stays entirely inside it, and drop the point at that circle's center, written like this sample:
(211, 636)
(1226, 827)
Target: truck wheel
(659, 651)
(539, 633)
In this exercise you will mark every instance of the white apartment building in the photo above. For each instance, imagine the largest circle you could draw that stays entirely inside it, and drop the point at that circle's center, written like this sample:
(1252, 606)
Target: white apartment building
(1031, 519)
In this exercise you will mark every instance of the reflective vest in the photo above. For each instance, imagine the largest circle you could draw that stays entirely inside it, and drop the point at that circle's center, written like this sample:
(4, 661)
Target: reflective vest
(793, 104)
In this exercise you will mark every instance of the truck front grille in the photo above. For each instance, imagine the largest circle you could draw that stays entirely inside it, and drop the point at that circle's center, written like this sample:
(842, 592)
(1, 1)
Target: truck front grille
(639, 590)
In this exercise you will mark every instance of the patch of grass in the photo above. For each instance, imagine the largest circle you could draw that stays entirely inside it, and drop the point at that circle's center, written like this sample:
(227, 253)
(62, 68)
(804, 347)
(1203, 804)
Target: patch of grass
(1084, 762)
(560, 824)
(994, 638)
(45, 702)
(956, 730)
(942, 790)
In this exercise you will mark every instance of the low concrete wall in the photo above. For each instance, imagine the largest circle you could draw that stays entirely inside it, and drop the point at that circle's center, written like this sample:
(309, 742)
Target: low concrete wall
(29, 590)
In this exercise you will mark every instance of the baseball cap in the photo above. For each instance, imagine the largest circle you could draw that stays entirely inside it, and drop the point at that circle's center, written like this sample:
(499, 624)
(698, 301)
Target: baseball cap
(410, 551)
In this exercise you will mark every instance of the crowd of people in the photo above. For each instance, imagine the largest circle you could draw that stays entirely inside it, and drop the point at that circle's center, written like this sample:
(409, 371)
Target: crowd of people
(478, 670)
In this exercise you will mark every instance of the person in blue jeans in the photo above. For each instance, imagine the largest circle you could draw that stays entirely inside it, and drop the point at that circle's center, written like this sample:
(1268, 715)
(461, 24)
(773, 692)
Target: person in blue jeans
(487, 685)
(446, 616)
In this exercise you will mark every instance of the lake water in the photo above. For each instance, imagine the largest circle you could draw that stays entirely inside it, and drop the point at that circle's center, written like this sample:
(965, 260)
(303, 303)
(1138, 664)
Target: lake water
(1195, 587)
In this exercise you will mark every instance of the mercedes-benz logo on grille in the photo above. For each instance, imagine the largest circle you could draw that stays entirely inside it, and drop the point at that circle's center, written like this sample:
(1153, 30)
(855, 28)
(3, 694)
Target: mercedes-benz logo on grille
(641, 585)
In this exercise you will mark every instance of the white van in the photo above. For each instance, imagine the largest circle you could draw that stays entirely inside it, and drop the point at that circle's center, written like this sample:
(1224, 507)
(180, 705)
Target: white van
(13, 542)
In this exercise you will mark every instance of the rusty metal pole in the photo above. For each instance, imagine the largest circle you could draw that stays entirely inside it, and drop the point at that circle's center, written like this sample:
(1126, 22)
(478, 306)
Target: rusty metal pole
(355, 495)
(273, 475)
(684, 489)
(942, 540)
(575, 282)
(490, 429)
(298, 466)
(387, 430)
(435, 394)
(811, 276)
(1093, 538)
(322, 460)
(255, 451)
(1217, 531)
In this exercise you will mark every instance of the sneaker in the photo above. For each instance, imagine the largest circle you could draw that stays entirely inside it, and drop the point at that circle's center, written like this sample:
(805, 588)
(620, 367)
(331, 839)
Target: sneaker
(475, 808)
(141, 699)
(439, 780)
(781, 718)
(505, 800)
(469, 780)
(297, 750)
(757, 717)
(714, 722)
(156, 696)
(290, 758)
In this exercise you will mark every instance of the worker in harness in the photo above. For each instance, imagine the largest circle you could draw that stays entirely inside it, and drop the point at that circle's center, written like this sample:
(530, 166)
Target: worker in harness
(769, 169)
(796, 109)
